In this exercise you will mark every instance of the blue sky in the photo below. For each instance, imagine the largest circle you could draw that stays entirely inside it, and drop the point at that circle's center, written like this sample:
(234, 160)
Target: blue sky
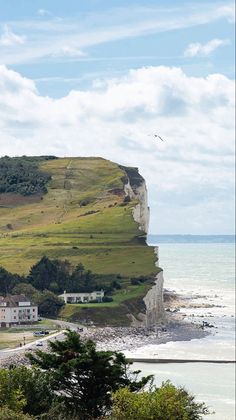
(98, 77)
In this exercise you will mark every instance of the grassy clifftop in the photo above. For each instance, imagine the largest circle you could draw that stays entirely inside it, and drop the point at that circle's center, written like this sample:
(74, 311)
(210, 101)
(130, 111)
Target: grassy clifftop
(83, 218)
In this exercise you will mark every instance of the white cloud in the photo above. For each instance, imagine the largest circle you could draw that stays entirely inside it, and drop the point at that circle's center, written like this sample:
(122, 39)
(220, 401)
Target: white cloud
(190, 174)
(9, 38)
(68, 51)
(43, 12)
(198, 49)
(227, 11)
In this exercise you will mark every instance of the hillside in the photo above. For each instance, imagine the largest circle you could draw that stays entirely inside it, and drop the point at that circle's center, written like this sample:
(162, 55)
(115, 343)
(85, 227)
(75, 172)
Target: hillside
(85, 216)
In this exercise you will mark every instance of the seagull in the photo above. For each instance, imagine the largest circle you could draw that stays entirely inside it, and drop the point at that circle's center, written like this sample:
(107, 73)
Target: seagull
(156, 136)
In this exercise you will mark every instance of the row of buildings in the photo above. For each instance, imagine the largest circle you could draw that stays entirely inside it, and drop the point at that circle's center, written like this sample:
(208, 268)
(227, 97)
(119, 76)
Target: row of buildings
(18, 309)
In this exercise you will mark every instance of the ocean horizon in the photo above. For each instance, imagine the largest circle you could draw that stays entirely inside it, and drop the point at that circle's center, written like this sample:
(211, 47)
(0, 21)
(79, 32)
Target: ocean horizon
(189, 238)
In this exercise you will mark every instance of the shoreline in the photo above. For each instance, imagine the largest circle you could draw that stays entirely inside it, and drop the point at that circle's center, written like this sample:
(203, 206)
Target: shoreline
(131, 338)
(120, 339)
(177, 326)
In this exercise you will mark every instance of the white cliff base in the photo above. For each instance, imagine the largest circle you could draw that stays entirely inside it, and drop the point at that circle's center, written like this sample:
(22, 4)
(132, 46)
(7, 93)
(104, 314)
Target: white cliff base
(155, 313)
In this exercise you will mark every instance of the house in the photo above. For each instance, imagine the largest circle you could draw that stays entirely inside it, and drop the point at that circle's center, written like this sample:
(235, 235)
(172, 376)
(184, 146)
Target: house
(82, 297)
(17, 309)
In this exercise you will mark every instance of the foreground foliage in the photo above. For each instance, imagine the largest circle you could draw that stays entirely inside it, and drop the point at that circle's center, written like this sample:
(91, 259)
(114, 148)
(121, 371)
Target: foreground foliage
(164, 403)
(27, 390)
(84, 377)
(74, 381)
(8, 414)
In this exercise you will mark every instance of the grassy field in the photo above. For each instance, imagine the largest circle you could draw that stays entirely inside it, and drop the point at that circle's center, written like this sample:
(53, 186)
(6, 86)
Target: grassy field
(82, 218)
(12, 337)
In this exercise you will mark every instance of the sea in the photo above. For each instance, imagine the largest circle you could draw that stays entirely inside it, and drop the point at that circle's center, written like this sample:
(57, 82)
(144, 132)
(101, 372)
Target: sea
(203, 268)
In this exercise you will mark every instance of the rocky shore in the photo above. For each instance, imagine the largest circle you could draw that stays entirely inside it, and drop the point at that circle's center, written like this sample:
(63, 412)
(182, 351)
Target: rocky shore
(123, 339)
(131, 338)
(176, 326)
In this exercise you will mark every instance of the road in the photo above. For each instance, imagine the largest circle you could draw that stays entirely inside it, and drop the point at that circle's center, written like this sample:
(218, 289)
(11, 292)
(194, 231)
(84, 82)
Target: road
(33, 345)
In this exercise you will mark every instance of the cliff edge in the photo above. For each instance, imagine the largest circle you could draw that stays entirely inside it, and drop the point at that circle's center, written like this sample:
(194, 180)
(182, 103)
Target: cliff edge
(137, 190)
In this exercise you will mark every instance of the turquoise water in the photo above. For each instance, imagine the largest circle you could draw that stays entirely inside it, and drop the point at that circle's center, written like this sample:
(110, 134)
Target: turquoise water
(206, 271)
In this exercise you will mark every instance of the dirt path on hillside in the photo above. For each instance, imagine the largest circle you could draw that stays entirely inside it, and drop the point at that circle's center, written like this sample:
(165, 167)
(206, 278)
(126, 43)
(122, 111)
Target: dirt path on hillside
(67, 187)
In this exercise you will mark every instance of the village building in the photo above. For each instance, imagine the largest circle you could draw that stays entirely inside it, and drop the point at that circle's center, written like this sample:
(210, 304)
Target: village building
(95, 296)
(16, 310)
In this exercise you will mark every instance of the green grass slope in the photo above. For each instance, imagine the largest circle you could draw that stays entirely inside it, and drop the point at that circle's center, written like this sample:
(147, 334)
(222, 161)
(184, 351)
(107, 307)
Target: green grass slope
(81, 218)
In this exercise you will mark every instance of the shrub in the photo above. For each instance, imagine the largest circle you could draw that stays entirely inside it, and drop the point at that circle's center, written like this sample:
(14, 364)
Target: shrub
(134, 281)
(107, 299)
(21, 175)
(165, 403)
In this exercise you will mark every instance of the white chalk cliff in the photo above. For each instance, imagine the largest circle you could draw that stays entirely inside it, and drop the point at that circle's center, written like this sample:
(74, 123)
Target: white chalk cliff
(155, 313)
(141, 210)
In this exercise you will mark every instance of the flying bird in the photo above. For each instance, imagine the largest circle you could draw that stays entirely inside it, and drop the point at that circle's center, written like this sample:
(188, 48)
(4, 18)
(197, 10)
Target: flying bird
(156, 136)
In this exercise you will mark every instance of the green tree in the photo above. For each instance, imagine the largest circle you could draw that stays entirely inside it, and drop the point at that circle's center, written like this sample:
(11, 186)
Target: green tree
(81, 280)
(48, 303)
(25, 289)
(34, 386)
(165, 403)
(7, 281)
(21, 175)
(84, 377)
(50, 274)
(8, 414)
(10, 396)
(42, 274)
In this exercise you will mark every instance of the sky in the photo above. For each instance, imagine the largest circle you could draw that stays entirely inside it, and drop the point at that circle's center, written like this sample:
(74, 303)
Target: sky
(102, 77)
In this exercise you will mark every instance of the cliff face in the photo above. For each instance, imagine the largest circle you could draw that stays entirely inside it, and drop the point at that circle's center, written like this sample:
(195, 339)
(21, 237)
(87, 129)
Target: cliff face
(141, 210)
(135, 188)
(155, 313)
(153, 300)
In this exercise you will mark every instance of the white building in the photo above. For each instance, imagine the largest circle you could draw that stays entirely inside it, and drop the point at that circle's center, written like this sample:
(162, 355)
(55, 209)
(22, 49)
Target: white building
(17, 309)
(82, 297)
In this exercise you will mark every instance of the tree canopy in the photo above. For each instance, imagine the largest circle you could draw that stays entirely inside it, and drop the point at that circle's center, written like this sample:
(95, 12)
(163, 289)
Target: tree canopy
(57, 275)
(85, 377)
(75, 381)
(165, 403)
(21, 175)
